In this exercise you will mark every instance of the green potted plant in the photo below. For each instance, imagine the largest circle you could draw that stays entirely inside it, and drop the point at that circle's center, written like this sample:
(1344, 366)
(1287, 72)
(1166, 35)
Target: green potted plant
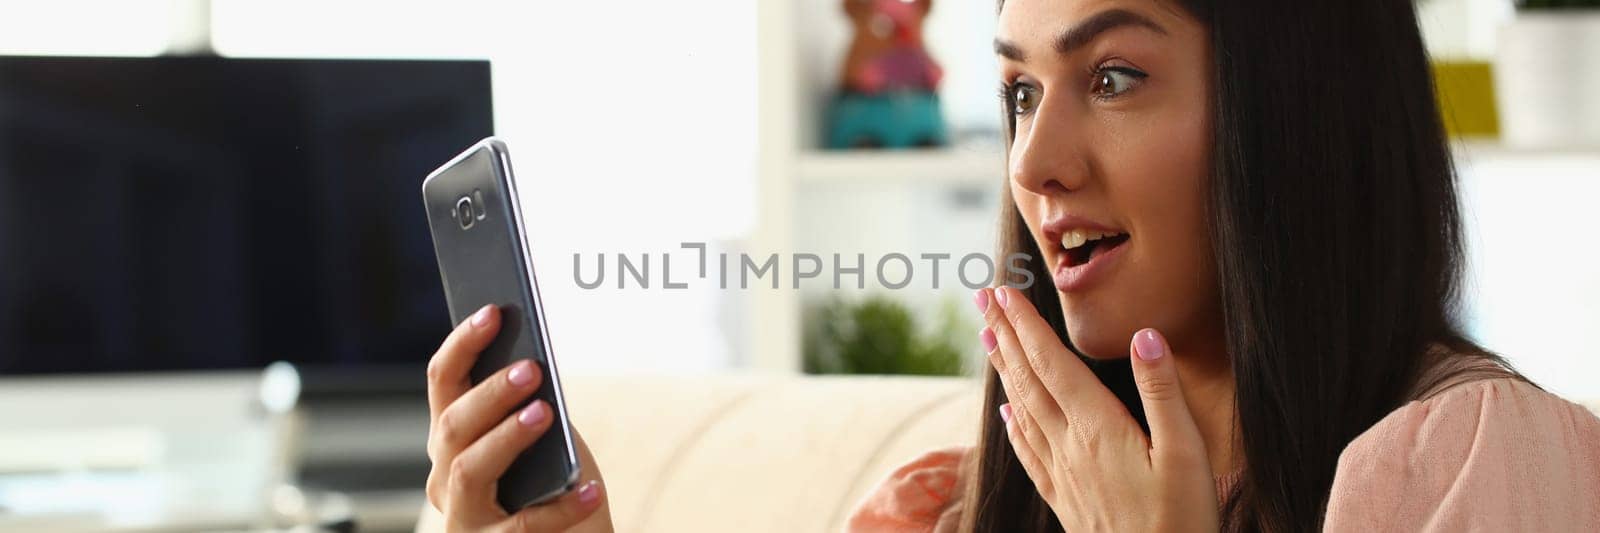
(878, 335)
(1547, 75)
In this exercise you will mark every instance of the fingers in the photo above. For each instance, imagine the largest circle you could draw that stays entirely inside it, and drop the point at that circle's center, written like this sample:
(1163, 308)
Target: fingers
(485, 405)
(447, 370)
(1020, 422)
(475, 472)
(1173, 432)
(560, 515)
(1023, 386)
(1026, 453)
(1041, 347)
(1064, 376)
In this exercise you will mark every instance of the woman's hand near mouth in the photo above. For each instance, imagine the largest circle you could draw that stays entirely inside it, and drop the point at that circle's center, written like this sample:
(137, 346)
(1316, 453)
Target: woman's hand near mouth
(1085, 453)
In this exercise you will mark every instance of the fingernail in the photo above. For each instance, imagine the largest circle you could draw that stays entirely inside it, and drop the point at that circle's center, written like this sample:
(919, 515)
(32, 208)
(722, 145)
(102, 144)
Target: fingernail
(987, 338)
(1149, 344)
(533, 414)
(589, 493)
(982, 299)
(1000, 296)
(1005, 413)
(481, 318)
(521, 373)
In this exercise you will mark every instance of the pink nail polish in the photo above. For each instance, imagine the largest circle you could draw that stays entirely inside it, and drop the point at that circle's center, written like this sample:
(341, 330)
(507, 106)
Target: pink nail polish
(982, 299)
(1149, 344)
(533, 414)
(481, 318)
(1000, 296)
(589, 493)
(987, 338)
(1005, 413)
(521, 373)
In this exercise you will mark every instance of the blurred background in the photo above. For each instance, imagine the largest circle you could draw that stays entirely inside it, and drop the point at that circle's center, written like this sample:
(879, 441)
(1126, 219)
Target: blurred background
(218, 291)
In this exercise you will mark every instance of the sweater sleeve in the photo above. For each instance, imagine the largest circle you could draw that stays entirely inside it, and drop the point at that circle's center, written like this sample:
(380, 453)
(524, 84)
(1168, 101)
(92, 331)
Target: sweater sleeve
(1490, 455)
(920, 496)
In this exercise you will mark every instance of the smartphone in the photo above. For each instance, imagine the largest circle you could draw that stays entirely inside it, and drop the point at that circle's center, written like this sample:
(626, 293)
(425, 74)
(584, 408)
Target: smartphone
(476, 221)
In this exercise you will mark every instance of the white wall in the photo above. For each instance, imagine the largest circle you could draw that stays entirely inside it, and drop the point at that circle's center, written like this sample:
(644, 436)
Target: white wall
(60, 27)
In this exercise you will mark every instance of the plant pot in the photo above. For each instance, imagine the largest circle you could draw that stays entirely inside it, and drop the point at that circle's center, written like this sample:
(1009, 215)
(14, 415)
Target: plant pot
(1547, 79)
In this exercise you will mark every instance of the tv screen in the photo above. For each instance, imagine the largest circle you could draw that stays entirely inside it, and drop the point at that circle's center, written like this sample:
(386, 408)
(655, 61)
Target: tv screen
(212, 213)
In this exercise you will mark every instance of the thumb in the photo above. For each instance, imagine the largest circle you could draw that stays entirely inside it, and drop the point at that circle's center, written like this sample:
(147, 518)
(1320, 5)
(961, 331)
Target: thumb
(1172, 428)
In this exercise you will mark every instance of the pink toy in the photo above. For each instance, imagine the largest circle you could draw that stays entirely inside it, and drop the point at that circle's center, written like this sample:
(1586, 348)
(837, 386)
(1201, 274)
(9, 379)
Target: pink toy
(887, 53)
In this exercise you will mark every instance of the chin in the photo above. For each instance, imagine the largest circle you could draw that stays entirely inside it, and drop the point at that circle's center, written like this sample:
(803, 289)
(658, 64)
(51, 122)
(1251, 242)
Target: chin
(1098, 331)
(1099, 341)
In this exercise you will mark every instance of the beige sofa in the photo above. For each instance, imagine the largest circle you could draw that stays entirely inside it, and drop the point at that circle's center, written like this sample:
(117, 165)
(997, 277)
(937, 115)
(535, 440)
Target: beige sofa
(742, 454)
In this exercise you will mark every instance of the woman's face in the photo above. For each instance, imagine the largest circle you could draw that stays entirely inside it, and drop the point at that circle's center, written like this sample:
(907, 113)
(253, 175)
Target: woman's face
(1110, 160)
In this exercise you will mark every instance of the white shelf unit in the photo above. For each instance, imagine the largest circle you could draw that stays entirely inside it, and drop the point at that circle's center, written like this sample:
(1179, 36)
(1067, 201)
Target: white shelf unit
(771, 340)
(799, 46)
(1469, 151)
(949, 165)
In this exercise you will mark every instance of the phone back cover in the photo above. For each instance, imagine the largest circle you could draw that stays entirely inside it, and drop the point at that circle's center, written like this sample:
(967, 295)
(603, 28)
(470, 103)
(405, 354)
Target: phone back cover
(484, 264)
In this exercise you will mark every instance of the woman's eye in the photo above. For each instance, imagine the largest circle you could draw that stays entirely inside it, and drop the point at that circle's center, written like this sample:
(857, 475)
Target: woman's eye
(1022, 98)
(1112, 82)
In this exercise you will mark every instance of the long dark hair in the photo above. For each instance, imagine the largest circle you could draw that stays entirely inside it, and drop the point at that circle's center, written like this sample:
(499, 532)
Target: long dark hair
(1338, 246)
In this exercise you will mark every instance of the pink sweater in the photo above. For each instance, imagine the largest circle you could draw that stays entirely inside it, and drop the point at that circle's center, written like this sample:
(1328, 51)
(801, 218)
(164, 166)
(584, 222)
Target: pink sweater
(1488, 455)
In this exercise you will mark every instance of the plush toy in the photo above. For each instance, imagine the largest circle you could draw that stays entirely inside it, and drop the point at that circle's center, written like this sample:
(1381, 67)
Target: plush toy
(887, 96)
(887, 52)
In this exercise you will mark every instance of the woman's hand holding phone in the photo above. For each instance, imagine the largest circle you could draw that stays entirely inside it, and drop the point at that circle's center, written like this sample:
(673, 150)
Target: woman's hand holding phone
(471, 441)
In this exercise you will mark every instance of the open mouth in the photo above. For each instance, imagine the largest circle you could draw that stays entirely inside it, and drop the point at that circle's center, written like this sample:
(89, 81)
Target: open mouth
(1083, 245)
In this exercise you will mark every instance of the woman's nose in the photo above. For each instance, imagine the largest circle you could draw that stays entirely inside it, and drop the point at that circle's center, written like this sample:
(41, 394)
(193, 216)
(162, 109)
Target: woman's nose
(1048, 154)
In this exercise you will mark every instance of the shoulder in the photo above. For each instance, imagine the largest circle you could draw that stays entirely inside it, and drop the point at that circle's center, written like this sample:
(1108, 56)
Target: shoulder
(920, 495)
(1498, 453)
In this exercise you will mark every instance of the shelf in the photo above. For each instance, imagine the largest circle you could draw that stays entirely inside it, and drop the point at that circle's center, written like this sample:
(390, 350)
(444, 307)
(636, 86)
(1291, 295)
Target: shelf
(957, 165)
(1491, 149)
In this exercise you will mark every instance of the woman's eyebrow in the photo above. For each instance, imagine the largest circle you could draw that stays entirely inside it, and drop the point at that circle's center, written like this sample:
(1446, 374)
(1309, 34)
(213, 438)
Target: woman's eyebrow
(1084, 33)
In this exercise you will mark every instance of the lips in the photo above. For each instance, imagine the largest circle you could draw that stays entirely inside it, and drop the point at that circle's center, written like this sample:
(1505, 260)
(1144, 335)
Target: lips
(1082, 245)
(1086, 249)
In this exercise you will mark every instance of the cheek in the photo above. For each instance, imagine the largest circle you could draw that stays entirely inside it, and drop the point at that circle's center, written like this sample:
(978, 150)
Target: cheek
(1167, 194)
(1030, 205)
(1158, 181)
(1177, 209)
(1026, 201)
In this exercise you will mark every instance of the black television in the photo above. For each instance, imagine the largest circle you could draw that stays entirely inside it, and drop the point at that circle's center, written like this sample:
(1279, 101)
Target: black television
(203, 213)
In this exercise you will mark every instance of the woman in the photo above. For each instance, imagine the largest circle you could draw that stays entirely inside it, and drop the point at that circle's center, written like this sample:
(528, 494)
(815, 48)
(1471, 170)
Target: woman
(1246, 241)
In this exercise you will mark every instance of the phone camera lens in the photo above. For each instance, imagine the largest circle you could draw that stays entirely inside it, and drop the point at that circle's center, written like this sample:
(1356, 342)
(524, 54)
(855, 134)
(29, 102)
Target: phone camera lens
(464, 212)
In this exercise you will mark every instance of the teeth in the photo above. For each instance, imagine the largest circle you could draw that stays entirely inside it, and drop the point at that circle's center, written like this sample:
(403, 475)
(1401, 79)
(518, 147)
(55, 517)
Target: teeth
(1075, 238)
